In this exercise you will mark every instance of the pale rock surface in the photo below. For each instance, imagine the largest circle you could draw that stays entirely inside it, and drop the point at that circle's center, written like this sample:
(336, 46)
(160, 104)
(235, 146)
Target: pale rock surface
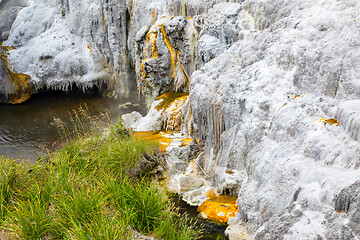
(220, 28)
(291, 162)
(151, 122)
(8, 13)
(188, 183)
(61, 43)
(87, 43)
(130, 119)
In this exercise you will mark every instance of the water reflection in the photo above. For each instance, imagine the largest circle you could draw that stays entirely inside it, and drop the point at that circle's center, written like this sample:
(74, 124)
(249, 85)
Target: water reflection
(26, 130)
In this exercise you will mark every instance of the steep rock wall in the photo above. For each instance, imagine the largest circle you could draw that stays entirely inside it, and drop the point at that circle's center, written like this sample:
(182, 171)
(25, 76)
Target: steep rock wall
(59, 43)
(87, 43)
(279, 110)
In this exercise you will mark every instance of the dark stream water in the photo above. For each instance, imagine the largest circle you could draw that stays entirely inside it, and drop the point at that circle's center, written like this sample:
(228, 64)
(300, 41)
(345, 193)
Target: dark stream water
(26, 130)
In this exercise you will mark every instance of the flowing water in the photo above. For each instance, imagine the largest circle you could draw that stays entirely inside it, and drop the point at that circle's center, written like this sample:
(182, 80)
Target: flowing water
(26, 131)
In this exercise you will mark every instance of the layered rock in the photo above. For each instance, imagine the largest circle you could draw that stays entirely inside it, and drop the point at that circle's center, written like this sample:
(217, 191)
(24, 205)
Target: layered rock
(280, 110)
(89, 43)
(62, 43)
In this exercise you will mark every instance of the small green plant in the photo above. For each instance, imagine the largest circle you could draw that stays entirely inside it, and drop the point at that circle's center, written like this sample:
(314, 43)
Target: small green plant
(30, 218)
(219, 237)
(12, 178)
(149, 205)
(83, 125)
(104, 227)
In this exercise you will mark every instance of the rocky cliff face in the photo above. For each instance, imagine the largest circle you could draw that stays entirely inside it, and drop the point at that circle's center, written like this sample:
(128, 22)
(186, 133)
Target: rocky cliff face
(273, 93)
(279, 110)
(61, 43)
(88, 43)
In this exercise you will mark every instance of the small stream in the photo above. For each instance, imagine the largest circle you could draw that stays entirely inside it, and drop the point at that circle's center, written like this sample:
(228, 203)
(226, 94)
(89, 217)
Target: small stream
(212, 231)
(26, 131)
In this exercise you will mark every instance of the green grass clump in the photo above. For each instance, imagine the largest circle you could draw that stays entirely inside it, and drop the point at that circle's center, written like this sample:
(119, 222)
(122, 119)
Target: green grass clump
(10, 173)
(84, 191)
(30, 219)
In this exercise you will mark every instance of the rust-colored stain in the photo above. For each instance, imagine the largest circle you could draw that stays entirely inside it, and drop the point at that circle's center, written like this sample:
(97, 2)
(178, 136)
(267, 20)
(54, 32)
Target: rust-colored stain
(172, 115)
(150, 39)
(88, 46)
(229, 172)
(186, 142)
(131, 11)
(296, 96)
(331, 121)
(155, 136)
(172, 52)
(154, 17)
(211, 193)
(219, 209)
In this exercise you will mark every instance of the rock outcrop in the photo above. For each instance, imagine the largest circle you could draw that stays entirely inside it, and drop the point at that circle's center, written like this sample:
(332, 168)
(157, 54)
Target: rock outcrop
(280, 108)
(273, 95)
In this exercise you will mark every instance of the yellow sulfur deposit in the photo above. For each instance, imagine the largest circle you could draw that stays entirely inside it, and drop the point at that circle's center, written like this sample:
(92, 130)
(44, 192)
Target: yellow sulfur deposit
(219, 209)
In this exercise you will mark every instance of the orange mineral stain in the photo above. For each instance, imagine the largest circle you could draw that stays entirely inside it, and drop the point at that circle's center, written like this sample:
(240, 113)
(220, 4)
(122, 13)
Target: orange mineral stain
(172, 115)
(331, 121)
(164, 138)
(171, 51)
(89, 47)
(155, 136)
(19, 88)
(219, 209)
(168, 98)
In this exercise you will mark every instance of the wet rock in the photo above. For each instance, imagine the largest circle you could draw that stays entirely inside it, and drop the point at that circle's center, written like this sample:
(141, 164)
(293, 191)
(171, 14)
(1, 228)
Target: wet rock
(130, 119)
(188, 183)
(8, 13)
(165, 57)
(179, 156)
(278, 226)
(345, 218)
(151, 166)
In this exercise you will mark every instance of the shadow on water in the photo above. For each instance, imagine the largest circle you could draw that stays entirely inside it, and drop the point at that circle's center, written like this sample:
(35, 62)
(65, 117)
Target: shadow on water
(26, 130)
(212, 231)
